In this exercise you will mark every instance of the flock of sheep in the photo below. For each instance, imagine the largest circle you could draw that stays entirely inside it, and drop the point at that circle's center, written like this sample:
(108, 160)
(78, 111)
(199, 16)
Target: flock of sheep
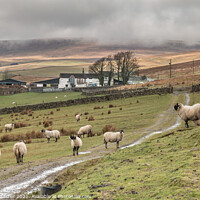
(20, 147)
(186, 113)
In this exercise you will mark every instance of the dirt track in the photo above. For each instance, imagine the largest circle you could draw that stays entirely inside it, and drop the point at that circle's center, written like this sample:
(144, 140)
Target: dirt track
(31, 177)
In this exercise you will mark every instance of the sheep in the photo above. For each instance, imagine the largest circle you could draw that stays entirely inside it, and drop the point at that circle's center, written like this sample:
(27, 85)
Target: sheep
(113, 137)
(19, 150)
(9, 127)
(85, 130)
(51, 134)
(76, 143)
(188, 113)
(78, 117)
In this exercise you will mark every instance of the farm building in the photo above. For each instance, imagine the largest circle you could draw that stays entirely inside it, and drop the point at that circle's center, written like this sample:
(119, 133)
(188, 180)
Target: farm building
(69, 80)
(46, 83)
(12, 82)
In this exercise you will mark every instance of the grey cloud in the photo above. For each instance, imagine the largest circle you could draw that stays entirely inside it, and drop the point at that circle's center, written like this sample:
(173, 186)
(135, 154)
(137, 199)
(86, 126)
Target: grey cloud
(114, 21)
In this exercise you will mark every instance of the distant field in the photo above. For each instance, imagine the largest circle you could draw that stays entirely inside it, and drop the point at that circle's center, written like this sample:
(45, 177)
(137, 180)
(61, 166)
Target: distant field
(52, 71)
(35, 98)
(149, 61)
(48, 68)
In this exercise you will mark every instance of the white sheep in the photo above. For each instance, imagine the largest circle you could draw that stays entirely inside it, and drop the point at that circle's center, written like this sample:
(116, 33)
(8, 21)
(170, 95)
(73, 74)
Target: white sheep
(19, 151)
(188, 113)
(51, 134)
(9, 127)
(113, 137)
(85, 130)
(76, 143)
(78, 117)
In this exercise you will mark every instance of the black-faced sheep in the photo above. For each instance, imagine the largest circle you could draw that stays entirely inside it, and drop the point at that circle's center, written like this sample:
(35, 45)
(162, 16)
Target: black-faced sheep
(9, 127)
(188, 113)
(19, 150)
(78, 117)
(76, 143)
(85, 130)
(113, 137)
(51, 134)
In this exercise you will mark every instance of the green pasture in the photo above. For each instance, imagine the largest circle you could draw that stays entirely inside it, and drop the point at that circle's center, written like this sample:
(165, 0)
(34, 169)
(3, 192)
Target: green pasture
(30, 98)
(136, 114)
(164, 167)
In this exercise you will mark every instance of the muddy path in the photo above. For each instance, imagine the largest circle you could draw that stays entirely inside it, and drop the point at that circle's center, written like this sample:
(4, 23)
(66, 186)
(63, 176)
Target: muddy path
(30, 177)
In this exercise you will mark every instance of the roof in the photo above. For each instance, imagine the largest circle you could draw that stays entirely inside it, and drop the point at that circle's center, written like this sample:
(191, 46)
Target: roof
(80, 75)
(10, 80)
(55, 80)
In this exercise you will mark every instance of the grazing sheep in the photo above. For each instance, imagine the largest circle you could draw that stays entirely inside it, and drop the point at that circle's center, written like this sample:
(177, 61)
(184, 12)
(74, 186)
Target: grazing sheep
(9, 127)
(188, 113)
(85, 130)
(51, 134)
(78, 117)
(76, 143)
(19, 151)
(113, 137)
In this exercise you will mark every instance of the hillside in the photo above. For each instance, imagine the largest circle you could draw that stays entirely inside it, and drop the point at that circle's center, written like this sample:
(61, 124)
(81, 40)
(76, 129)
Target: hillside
(164, 167)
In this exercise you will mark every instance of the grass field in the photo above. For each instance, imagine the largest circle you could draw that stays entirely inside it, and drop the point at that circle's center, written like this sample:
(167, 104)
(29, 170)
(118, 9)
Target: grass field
(30, 98)
(140, 115)
(164, 167)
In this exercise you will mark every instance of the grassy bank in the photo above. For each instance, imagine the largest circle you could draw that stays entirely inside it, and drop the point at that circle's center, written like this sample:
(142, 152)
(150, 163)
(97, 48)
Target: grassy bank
(164, 167)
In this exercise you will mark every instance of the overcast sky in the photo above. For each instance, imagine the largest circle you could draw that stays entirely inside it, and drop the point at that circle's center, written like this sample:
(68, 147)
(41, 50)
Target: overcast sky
(112, 21)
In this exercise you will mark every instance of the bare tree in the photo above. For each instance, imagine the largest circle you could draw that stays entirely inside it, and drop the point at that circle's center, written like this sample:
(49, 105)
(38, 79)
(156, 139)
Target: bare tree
(118, 58)
(98, 68)
(5, 75)
(110, 67)
(127, 64)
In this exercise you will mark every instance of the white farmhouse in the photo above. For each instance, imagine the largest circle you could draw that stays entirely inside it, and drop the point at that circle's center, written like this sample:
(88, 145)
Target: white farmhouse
(70, 80)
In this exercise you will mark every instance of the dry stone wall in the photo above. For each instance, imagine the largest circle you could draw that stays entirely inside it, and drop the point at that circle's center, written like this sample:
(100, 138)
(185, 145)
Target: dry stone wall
(86, 100)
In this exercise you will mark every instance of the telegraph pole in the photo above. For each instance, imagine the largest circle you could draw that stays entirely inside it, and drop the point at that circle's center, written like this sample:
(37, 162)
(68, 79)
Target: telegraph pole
(193, 66)
(170, 68)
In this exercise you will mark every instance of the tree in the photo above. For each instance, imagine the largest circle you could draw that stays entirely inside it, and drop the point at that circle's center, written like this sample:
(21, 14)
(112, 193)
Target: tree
(118, 58)
(127, 63)
(5, 75)
(98, 68)
(110, 67)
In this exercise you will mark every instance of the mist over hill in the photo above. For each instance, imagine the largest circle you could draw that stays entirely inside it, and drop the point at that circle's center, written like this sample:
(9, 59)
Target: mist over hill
(63, 47)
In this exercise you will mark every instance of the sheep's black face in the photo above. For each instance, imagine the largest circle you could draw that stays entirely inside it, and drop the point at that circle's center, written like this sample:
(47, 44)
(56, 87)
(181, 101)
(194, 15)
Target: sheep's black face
(176, 107)
(72, 137)
(121, 131)
(42, 130)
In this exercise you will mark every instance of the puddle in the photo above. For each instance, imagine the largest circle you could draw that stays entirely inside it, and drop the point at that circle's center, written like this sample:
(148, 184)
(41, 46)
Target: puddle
(85, 152)
(8, 192)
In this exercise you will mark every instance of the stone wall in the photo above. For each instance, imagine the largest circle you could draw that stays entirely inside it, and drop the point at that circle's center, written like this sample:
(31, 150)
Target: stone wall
(195, 88)
(9, 89)
(87, 100)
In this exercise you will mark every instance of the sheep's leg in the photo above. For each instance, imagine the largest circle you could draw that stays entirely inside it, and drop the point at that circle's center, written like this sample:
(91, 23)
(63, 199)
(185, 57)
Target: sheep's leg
(77, 150)
(105, 143)
(48, 139)
(56, 139)
(17, 157)
(5, 130)
(22, 158)
(117, 144)
(74, 150)
(186, 124)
